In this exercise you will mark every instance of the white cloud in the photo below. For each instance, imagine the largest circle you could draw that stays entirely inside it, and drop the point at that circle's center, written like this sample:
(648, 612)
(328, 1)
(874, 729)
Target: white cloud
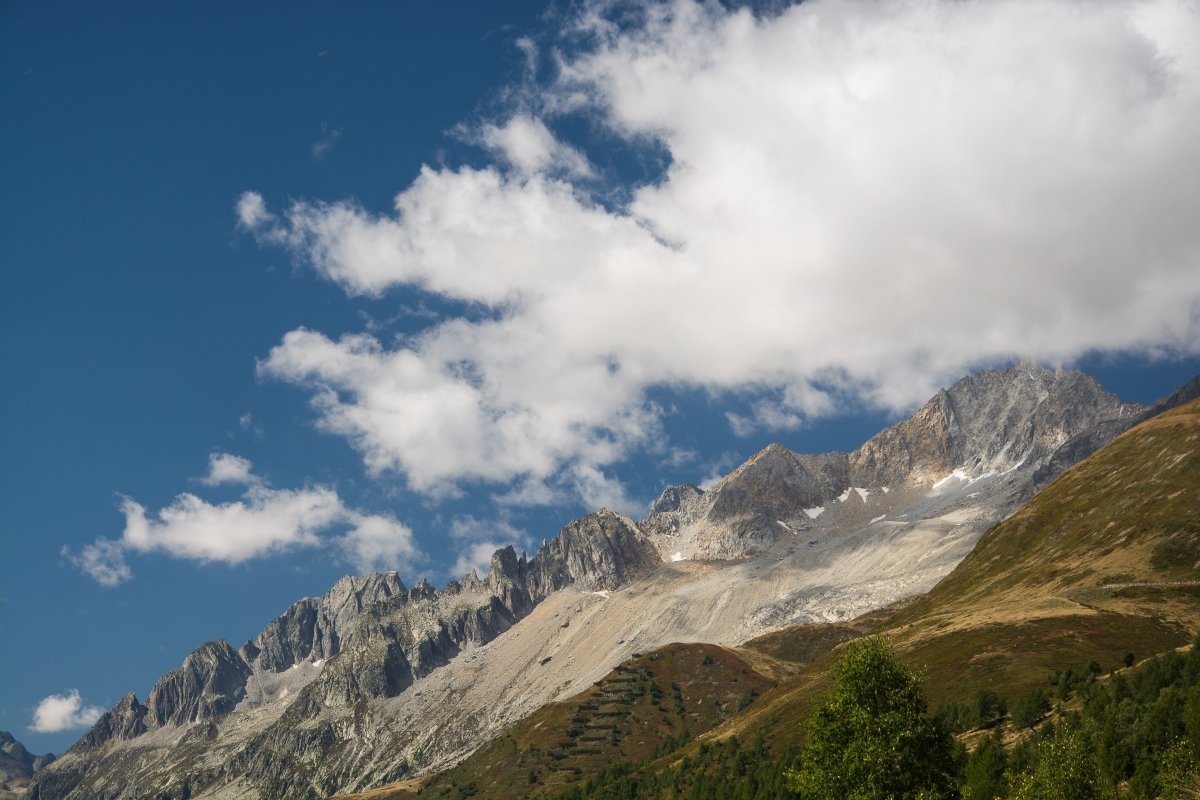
(263, 522)
(479, 539)
(379, 543)
(529, 146)
(864, 199)
(103, 560)
(227, 468)
(477, 557)
(252, 211)
(64, 712)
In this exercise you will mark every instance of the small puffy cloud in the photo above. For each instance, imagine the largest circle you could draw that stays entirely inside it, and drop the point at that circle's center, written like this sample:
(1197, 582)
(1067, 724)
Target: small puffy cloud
(528, 145)
(228, 468)
(476, 557)
(870, 197)
(103, 560)
(252, 211)
(64, 712)
(262, 522)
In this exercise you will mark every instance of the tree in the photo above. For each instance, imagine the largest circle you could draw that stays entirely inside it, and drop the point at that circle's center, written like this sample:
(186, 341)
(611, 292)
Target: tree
(983, 776)
(872, 739)
(1064, 769)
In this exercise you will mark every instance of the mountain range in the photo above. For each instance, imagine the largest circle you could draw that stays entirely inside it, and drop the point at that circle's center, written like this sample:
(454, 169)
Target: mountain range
(375, 682)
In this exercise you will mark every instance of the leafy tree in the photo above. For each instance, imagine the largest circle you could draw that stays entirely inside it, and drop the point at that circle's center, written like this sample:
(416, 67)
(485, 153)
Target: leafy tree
(1177, 775)
(1065, 770)
(872, 738)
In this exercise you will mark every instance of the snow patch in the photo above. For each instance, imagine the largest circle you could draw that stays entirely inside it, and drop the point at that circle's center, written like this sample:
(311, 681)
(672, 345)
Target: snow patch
(958, 475)
(320, 662)
(786, 527)
(863, 493)
(602, 593)
(881, 516)
(886, 490)
(677, 557)
(843, 496)
(815, 511)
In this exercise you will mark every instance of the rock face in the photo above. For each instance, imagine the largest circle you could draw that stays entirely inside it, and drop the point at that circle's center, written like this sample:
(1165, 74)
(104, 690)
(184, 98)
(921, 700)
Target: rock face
(16, 762)
(366, 639)
(374, 681)
(209, 684)
(990, 422)
(315, 627)
(125, 721)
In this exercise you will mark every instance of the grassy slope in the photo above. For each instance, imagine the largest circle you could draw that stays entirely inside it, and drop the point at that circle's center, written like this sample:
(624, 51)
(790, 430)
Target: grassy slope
(652, 702)
(1105, 560)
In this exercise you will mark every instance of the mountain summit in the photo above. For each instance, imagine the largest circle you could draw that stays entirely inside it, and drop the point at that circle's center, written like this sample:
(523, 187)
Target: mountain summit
(986, 424)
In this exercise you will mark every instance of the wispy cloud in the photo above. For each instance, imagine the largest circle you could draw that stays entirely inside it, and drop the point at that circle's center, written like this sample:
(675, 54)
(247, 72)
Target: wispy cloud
(325, 142)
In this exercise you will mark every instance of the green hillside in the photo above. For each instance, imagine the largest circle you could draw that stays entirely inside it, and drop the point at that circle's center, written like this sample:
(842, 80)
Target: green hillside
(1105, 562)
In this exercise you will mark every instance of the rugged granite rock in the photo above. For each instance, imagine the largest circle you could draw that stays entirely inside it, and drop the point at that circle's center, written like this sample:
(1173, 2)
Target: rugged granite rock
(209, 684)
(16, 762)
(603, 550)
(126, 720)
(368, 638)
(990, 422)
(315, 627)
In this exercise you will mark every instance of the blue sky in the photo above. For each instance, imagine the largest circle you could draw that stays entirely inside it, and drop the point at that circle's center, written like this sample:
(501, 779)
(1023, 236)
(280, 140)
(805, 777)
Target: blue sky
(634, 248)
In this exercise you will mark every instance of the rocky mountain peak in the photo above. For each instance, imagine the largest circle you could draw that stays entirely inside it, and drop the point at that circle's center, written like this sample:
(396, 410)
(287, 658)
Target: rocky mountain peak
(126, 720)
(209, 684)
(602, 550)
(675, 497)
(988, 422)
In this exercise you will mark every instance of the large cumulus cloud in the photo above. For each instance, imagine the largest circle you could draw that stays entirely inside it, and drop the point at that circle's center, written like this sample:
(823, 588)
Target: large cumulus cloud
(862, 201)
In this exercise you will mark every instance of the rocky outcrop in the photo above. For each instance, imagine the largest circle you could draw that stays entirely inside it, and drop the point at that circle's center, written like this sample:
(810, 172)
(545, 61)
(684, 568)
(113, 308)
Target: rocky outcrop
(126, 720)
(989, 422)
(1089, 441)
(209, 684)
(367, 639)
(600, 551)
(314, 628)
(16, 762)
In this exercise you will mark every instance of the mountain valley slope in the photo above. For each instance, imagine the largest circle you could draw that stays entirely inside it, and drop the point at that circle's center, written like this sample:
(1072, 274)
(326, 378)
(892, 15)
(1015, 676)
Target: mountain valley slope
(376, 682)
(1104, 562)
